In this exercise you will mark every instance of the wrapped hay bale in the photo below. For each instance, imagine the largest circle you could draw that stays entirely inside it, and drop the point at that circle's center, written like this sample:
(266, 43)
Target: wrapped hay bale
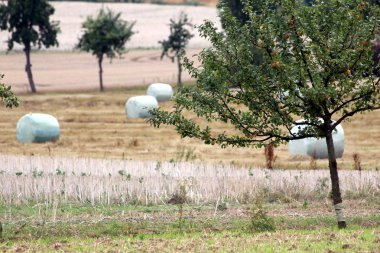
(139, 106)
(297, 147)
(314, 147)
(317, 148)
(161, 91)
(37, 128)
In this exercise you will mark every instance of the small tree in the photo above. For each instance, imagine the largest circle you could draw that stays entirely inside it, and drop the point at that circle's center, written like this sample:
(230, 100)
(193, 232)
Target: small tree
(28, 22)
(174, 46)
(105, 34)
(318, 66)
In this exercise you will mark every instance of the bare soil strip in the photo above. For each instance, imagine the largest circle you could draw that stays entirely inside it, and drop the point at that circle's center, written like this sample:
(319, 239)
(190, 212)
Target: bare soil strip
(72, 71)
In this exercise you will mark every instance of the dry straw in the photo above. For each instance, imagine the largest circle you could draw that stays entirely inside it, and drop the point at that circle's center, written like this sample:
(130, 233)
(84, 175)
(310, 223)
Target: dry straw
(39, 179)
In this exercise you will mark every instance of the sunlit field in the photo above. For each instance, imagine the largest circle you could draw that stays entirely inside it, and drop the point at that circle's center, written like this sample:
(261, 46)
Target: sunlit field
(94, 125)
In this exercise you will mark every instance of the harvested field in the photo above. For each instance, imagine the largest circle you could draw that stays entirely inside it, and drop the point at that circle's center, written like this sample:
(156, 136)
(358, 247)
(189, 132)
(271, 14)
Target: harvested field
(151, 22)
(108, 182)
(94, 125)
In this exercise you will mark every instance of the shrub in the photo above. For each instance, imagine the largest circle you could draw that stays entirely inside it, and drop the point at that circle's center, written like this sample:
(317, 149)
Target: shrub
(259, 221)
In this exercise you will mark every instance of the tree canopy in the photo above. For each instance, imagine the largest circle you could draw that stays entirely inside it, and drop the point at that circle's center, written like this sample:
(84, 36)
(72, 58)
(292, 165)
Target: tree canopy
(317, 66)
(177, 41)
(106, 34)
(28, 22)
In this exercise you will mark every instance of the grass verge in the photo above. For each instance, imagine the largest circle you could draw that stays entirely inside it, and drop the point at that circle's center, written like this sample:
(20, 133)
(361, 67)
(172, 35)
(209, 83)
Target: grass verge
(156, 229)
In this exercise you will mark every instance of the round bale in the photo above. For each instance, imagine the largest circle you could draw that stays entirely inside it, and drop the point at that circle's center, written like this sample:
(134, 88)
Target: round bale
(315, 147)
(161, 91)
(37, 128)
(139, 106)
(297, 147)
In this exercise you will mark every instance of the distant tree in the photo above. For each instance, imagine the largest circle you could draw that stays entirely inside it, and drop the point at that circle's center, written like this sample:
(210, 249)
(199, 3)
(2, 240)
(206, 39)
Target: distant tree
(28, 22)
(174, 46)
(106, 34)
(312, 70)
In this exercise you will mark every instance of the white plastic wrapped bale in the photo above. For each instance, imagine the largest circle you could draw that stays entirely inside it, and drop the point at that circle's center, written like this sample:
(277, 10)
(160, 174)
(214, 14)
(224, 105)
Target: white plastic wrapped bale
(139, 106)
(317, 148)
(297, 147)
(161, 91)
(37, 128)
(314, 147)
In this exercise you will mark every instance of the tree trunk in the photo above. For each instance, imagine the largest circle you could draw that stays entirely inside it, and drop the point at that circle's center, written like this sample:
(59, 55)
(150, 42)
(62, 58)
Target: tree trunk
(28, 69)
(100, 60)
(336, 195)
(179, 81)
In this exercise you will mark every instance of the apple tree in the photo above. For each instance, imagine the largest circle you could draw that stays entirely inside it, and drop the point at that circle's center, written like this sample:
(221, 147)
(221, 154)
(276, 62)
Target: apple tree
(317, 66)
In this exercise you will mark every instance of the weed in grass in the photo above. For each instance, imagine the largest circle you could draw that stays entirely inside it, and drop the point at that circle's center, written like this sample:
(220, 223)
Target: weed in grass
(60, 172)
(246, 197)
(357, 161)
(179, 198)
(185, 154)
(223, 206)
(305, 204)
(134, 143)
(313, 163)
(259, 221)
(270, 158)
(158, 166)
(37, 173)
(322, 186)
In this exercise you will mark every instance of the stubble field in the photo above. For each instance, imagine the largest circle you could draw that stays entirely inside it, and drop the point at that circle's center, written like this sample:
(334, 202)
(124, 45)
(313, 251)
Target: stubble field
(94, 125)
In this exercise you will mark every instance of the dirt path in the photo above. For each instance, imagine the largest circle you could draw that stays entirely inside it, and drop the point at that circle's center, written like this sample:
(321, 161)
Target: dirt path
(61, 71)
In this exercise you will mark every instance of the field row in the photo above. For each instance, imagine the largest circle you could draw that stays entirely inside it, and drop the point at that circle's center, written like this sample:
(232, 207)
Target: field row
(95, 125)
(96, 181)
